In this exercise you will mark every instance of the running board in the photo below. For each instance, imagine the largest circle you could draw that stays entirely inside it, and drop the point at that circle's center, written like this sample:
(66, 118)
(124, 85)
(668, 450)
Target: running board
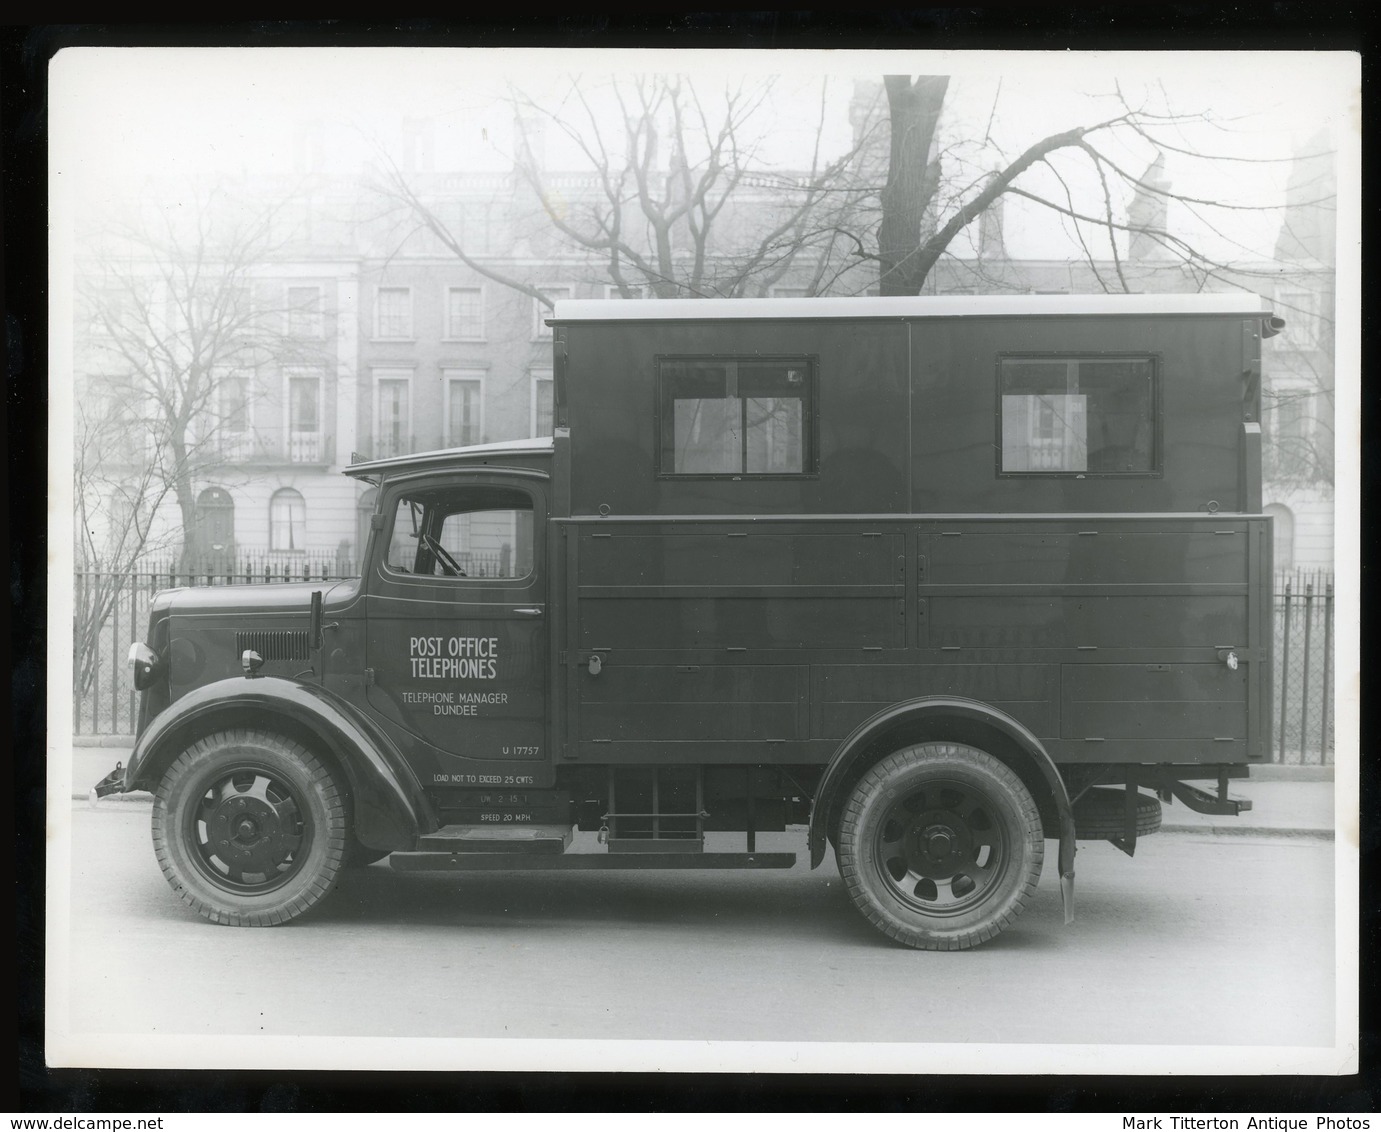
(470, 861)
(502, 839)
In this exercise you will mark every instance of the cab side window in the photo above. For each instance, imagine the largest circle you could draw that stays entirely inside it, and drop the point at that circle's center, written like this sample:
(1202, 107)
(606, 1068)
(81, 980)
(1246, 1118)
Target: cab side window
(478, 533)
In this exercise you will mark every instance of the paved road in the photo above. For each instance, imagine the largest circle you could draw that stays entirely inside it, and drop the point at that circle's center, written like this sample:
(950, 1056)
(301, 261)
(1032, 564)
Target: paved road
(1199, 939)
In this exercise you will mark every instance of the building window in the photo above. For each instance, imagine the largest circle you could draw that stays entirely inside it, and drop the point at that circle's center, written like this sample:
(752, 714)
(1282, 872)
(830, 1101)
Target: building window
(393, 412)
(1289, 438)
(1289, 420)
(541, 312)
(231, 438)
(393, 312)
(611, 291)
(542, 403)
(789, 292)
(304, 418)
(736, 416)
(1078, 416)
(287, 520)
(464, 406)
(465, 313)
(1282, 536)
(304, 312)
(116, 424)
(1300, 310)
(233, 398)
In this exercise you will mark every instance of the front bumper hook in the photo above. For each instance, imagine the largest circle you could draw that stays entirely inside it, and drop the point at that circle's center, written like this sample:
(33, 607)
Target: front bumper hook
(112, 783)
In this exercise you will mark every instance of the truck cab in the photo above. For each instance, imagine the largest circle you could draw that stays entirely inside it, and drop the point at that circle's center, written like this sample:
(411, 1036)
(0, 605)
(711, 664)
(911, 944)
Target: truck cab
(934, 581)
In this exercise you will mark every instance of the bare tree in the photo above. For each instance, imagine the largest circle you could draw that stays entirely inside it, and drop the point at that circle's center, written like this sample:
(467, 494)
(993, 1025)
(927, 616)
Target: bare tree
(674, 199)
(172, 336)
(913, 177)
(926, 206)
(117, 498)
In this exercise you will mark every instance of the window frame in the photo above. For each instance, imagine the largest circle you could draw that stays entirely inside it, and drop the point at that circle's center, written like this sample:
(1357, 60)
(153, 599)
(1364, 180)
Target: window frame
(451, 374)
(226, 410)
(1157, 469)
(411, 335)
(536, 377)
(392, 375)
(450, 335)
(305, 373)
(810, 425)
(541, 332)
(316, 374)
(284, 491)
(382, 540)
(1303, 314)
(315, 314)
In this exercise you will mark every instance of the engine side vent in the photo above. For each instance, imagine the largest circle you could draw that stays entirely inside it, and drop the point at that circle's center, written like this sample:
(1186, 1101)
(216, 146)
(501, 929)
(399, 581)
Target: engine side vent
(275, 644)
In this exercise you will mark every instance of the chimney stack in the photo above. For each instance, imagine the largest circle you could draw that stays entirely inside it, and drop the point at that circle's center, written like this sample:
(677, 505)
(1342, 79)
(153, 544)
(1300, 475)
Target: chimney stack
(1147, 214)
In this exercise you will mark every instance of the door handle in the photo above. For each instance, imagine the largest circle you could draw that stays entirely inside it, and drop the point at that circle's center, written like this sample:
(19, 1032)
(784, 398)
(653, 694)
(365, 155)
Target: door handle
(529, 612)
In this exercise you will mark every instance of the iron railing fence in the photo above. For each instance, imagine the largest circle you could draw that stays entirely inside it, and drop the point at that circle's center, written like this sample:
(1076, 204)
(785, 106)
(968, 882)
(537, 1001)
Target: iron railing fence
(113, 610)
(1304, 677)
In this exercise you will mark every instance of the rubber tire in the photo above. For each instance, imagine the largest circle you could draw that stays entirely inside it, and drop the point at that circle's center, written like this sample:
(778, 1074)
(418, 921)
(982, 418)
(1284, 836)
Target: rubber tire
(1098, 814)
(185, 783)
(1010, 800)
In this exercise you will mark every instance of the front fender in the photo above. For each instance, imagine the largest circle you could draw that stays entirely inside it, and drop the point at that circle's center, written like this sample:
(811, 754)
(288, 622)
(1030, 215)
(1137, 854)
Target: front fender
(935, 714)
(390, 809)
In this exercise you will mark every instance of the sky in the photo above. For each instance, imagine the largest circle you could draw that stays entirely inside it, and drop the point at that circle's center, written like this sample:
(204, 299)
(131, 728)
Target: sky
(121, 116)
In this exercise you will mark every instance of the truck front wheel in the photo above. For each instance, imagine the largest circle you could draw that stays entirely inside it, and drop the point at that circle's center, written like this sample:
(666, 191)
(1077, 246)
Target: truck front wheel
(940, 845)
(249, 828)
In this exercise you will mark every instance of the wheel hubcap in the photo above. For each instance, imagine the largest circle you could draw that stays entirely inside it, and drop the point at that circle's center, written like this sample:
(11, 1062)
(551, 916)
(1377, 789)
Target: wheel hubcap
(249, 830)
(941, 848)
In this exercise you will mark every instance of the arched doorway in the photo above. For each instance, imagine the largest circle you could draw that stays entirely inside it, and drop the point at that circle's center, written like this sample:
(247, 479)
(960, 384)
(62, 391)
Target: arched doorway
(213, 546)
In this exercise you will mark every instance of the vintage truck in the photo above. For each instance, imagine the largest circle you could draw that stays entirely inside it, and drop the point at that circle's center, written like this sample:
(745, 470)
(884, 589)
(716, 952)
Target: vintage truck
(930, 580)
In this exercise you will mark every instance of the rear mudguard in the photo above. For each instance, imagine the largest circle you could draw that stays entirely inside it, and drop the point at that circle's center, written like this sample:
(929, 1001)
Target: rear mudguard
(937, 712)
(389, 807)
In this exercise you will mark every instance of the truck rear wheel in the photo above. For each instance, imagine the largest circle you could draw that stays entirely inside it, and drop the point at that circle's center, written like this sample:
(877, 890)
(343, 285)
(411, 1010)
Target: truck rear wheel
(940, 846)
(249, 828)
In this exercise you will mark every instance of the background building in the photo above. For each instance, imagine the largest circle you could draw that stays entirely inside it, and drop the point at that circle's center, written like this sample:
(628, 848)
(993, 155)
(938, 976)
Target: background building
(383, 341)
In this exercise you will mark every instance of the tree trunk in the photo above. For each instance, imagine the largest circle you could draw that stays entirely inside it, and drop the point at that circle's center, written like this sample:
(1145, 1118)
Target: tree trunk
(185, 492)
(914, 111)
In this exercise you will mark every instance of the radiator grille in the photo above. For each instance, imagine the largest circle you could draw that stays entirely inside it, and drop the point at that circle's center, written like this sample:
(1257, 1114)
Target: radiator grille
(275, 644)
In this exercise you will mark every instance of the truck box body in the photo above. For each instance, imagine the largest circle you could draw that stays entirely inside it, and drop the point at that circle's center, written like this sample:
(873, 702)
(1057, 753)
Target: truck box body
(759, 619)
(947, 577)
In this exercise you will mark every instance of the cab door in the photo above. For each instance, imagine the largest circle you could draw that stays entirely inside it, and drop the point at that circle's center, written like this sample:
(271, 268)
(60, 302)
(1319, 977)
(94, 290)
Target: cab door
(456, 639)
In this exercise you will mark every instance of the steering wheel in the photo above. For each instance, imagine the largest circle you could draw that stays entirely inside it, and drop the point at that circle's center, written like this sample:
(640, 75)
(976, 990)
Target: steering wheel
(449, 566)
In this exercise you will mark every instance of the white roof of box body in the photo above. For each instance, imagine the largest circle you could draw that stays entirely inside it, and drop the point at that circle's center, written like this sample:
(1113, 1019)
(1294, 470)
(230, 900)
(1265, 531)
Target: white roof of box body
(921, 306)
